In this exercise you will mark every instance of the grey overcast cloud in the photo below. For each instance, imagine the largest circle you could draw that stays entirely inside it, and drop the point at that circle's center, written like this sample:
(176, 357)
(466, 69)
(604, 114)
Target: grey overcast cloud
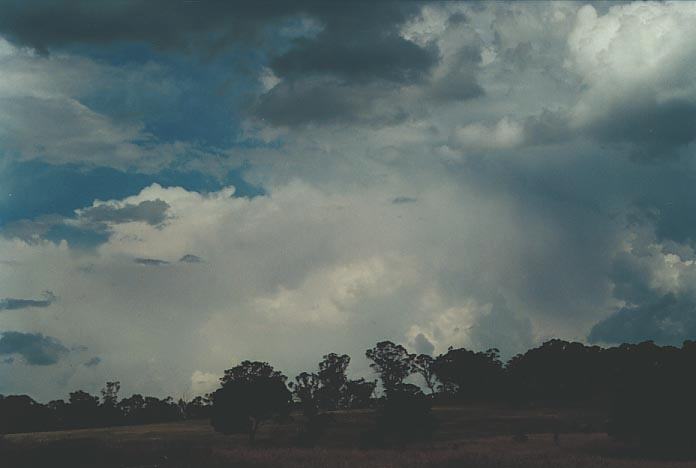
(189, 184)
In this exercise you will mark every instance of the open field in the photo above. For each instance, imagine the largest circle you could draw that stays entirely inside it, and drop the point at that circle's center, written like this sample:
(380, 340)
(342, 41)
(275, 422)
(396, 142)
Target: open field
(468, 437)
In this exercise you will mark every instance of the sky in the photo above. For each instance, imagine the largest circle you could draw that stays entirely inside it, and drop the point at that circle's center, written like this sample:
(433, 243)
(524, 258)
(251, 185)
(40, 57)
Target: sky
(185, 185)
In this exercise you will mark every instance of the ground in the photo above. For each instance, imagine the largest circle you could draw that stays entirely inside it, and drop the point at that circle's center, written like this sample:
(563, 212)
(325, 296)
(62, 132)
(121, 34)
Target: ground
(473, 437)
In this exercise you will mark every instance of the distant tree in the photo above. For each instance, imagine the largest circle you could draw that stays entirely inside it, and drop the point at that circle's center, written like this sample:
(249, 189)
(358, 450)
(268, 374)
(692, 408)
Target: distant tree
(159, 410)
(20, 413)
(469, 375)
(110, 412)
(561, 372)
(59, 411)
(197, 408)
(653, 404)
(359, 393)
(423, 364)
(82, 410)
(132, 409)
(332, 378)
(110, 393)
(405, 416)
(306, 389)
(251, 393)
(391, 362)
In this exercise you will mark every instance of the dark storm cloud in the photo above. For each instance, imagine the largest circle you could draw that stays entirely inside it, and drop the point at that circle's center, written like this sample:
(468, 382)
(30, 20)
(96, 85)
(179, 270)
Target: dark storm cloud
(10, 303)
(35, 348)
(460, 83)
(152, 212)
(357, 40)
(49, 24)
(653, 129)
(150, 261)
(353, 46)
(356, 49)
(327, 101)
(670, 319)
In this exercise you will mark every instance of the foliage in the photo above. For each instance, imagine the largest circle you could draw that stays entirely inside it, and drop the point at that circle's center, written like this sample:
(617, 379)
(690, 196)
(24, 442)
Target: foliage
(332, 379)
(469, 375)
(405, 416)
(391, 362)
(251, 393)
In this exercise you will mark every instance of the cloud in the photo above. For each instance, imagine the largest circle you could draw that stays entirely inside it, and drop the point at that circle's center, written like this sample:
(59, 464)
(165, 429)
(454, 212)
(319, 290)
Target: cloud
(16, 304)
(378, 51)
(150, 261)
(655, 279)
(60, 24)
(505, 134)
(422, 345)
(95, 361)
(190, 258)
(324, 101)
(669, 321)
(403, 199)
(35, 348)
(152, 212)
(509, 131)
(635, 63)
(203, 383)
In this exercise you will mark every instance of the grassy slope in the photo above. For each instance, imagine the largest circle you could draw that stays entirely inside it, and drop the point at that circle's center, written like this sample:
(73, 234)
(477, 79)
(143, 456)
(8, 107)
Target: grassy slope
(468, 437)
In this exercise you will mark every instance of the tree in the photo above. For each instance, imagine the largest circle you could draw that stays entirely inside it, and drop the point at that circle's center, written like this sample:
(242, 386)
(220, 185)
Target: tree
(110, 412)
(332, 378)
(110, 393)
(82, 409)
(423, 364)
(359, 393)
(470, 375)
(405, 415)
(306, 388)
(391, 362)
(132, 408)
(197, 408)
(251, 393)
(20, 413)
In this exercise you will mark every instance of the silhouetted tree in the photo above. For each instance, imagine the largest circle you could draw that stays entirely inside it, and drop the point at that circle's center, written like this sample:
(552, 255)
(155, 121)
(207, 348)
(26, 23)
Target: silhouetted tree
(561, 372)
(251, 393)
(332, 378)
(423, 364)
(391, 362)
(359, 393)
(405, 415)
(110, 412)
(197, 408)
(132, 408)
(82, 410)
(469, 375)
(306, 388)
(20, 413)
(653, 404)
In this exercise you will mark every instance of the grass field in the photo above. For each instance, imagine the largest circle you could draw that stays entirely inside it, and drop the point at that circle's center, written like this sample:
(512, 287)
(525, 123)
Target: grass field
(467, 437)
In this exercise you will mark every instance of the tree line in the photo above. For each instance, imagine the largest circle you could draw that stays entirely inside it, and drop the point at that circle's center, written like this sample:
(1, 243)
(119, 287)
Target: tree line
(646, 390)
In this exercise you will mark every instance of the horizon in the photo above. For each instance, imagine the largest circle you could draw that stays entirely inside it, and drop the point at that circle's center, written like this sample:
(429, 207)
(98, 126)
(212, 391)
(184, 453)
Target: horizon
(189, 185)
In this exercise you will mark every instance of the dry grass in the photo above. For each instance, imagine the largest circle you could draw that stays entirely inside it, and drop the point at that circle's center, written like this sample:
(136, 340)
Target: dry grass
(466, 439)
